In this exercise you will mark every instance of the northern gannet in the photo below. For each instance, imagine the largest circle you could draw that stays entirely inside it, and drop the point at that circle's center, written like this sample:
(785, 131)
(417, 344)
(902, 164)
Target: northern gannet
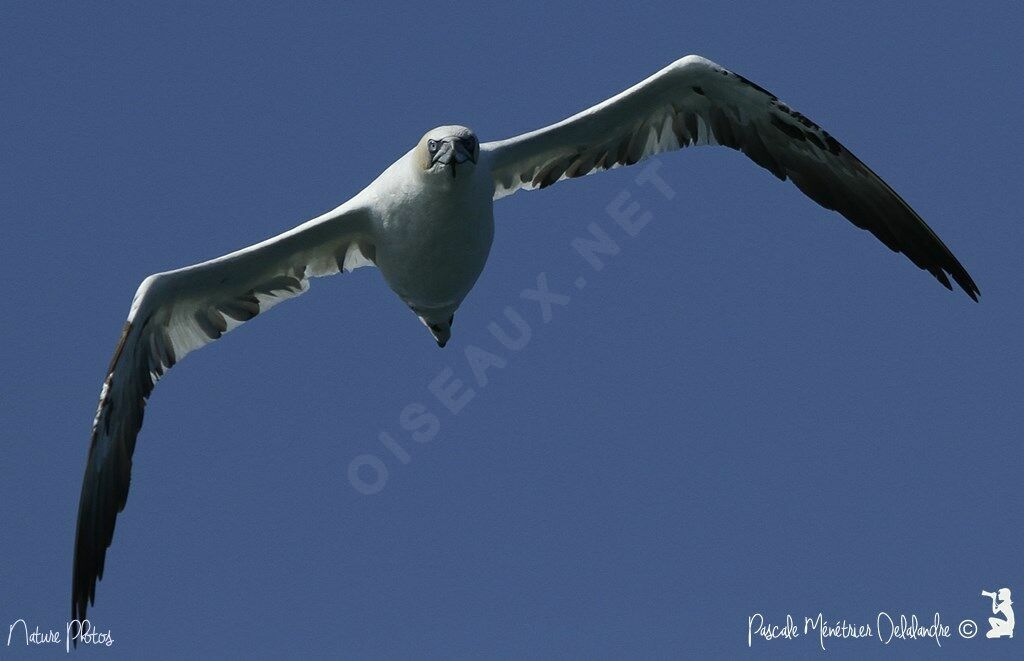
(427, 223)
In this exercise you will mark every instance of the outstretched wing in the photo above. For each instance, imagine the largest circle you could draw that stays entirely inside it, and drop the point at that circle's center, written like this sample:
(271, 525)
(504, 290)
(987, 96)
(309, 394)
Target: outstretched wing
(173, 314)
(696, 102)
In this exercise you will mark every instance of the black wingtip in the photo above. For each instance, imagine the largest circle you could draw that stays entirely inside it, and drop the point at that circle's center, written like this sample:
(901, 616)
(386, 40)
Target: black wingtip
(967, 284)
(964, 280)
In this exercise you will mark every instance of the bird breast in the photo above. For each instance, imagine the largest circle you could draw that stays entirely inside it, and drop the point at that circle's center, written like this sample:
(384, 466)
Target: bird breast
(434, 234)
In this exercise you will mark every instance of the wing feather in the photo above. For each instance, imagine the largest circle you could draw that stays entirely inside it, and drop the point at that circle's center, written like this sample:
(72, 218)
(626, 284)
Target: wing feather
(173, 314)
(696, 102)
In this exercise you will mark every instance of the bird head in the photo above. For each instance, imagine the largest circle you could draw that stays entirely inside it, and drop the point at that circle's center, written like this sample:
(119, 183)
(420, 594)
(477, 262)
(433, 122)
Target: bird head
(448, 150)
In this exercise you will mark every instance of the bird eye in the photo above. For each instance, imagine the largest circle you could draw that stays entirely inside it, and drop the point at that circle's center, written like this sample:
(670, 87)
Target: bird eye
(432, 145)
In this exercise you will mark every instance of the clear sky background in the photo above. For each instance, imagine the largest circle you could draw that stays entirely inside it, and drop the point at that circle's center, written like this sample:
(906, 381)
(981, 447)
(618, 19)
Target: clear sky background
(753, 407)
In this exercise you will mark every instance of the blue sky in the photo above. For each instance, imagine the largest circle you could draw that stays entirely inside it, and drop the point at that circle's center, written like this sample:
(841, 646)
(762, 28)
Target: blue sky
(753, 408)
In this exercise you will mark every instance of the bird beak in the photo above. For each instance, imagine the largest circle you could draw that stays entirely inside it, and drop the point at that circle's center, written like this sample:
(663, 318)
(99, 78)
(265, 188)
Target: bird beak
(464, 152)
(453, 152)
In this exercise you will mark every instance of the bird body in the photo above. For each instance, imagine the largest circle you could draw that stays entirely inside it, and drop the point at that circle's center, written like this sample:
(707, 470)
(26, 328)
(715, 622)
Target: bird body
(427, 224)
(432, 231)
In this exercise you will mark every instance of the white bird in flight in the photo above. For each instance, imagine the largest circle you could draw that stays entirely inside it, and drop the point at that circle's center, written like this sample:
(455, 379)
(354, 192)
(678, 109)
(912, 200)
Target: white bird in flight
(427, 224)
